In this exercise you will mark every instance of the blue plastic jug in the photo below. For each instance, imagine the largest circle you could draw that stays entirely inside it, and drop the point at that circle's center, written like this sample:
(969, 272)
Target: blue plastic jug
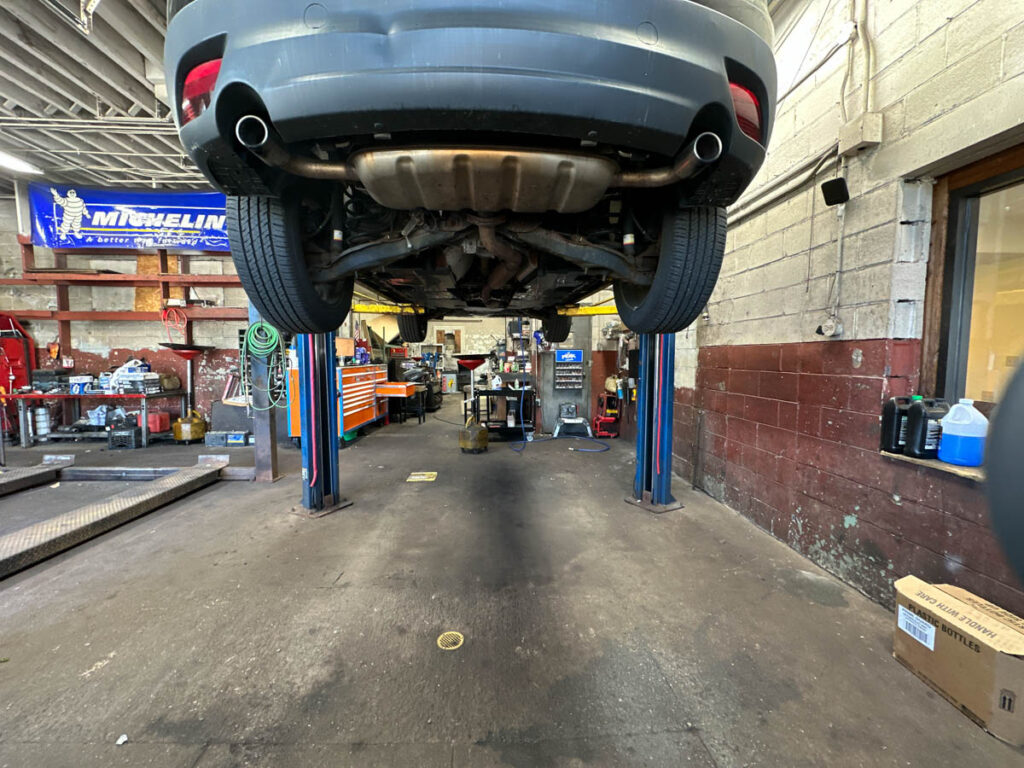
(963, 435)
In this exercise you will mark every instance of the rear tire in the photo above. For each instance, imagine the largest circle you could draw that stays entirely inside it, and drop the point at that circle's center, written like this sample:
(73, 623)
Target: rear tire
(556, 328)
(691, 251)
(267, 248)
(412, 328)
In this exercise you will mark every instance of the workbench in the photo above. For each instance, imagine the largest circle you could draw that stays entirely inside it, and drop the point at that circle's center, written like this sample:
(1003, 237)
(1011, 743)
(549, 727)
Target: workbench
(24, 420)
(492, 406)
(402, 391)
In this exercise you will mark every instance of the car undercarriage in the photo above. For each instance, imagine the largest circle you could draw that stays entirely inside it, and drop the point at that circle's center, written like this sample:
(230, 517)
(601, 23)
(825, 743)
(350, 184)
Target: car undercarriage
(476, 159)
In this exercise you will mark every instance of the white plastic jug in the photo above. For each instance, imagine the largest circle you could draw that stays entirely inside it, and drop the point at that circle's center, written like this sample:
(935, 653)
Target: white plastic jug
(963, 435)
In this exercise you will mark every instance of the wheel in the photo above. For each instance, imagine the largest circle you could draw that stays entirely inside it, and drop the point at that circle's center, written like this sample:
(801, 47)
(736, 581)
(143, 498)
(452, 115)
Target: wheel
(273, 242)
(690, 256)
(556, 328)
(412, 328)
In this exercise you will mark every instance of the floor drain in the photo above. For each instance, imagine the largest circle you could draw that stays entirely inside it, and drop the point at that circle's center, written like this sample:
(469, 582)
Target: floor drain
(450, 641)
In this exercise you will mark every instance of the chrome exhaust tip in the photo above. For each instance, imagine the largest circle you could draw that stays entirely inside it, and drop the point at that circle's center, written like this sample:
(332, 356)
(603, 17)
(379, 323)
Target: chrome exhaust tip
(252, 132)
(707, 147)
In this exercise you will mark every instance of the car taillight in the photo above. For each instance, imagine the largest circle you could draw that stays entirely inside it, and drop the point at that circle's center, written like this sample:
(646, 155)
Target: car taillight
(199, 85)
(748, 111)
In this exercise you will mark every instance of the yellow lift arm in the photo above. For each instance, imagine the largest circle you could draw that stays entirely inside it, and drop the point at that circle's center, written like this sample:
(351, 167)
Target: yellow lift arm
(395, 309)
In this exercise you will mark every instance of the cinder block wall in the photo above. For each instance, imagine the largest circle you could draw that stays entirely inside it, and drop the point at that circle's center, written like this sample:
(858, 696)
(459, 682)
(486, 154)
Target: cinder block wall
(782, 424)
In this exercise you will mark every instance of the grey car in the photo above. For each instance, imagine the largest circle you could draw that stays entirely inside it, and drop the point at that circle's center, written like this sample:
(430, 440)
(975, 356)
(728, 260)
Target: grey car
(475, 157)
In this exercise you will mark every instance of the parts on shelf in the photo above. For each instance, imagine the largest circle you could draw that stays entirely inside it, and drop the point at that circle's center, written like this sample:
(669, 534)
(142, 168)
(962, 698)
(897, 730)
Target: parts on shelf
(569, 369)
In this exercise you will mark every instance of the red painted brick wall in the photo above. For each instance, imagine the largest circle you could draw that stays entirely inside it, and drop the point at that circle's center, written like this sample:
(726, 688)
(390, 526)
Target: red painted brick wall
(788, 435)
(684, 434)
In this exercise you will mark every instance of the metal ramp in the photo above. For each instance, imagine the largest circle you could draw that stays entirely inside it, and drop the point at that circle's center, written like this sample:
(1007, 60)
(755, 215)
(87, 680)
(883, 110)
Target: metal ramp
(14, 480)
(30, 545)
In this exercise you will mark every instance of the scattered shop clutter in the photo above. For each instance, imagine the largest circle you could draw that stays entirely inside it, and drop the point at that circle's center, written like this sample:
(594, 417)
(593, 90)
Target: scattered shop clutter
(132, 383)
(967, 649)
(136, 376)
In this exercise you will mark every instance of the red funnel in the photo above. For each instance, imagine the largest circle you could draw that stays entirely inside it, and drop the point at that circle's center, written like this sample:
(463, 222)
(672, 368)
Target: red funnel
(187, 352)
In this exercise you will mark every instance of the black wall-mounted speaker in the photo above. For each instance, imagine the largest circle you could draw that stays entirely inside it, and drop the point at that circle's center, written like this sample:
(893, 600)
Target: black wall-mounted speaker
(835, 191)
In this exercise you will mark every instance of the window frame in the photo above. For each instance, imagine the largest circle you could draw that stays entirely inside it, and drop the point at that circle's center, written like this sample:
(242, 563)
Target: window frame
(952, 259)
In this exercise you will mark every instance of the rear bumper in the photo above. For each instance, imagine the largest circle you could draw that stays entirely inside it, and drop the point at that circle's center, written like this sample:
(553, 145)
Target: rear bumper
(634, 75)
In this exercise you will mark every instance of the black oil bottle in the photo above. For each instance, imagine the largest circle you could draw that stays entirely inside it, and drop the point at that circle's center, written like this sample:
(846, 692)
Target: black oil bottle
(924, 429)
(894, 424)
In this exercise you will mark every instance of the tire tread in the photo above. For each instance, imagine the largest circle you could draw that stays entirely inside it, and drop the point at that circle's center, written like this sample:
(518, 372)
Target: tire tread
(269, 263)
(692, 249)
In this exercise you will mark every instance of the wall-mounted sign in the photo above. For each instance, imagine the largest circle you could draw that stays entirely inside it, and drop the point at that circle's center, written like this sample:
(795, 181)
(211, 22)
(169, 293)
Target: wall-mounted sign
(568, 355)
(79, 217)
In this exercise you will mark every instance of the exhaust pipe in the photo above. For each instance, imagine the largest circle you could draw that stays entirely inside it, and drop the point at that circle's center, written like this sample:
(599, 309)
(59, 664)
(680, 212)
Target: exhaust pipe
(254, 134)
(509, 261)
(704, 149)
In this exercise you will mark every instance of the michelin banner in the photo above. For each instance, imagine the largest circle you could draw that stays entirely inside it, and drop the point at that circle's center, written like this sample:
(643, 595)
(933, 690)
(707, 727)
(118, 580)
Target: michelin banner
(79, 217)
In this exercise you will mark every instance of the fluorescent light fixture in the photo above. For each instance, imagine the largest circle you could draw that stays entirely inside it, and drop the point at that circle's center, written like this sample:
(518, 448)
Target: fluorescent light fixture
(12, 163)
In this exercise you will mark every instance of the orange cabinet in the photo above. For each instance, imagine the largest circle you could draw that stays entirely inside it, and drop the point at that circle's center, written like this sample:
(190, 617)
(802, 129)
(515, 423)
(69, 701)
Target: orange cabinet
(359, 400)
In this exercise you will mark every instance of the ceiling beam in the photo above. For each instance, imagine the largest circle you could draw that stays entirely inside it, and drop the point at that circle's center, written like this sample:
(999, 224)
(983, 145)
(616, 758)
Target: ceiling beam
(149, 125)
(41, 98)
(122, 60)
(53, 57)
(156, 17)
(63, 173)
(28, 101)
(51, 84)
(133, 28)
(30, 74)
(79, 102)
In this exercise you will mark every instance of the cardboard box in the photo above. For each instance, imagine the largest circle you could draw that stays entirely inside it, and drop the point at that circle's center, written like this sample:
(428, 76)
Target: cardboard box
(967, 649)
(344, 347)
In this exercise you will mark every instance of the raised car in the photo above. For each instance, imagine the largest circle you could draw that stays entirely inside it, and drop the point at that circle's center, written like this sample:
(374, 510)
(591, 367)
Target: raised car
(475, 157)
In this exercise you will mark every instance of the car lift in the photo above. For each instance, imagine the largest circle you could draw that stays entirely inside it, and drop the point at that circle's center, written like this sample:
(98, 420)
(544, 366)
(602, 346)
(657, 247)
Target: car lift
(652, 486)
(318, 415)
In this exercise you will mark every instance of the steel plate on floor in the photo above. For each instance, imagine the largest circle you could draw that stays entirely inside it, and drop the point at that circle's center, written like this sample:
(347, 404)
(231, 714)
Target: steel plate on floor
(37, 542)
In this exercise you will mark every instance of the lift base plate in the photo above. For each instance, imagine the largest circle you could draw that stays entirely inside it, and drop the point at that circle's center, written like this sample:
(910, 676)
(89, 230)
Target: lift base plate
(650, 506)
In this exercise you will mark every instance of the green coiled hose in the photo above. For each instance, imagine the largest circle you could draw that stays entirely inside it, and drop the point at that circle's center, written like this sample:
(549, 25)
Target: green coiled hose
(263, 342)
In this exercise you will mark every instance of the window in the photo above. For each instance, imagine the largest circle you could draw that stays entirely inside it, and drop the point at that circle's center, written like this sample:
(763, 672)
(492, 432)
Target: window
(997, 296)
(974, 334)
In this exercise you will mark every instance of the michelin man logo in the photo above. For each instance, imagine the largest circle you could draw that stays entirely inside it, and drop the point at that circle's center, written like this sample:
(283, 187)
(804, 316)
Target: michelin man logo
(74, 209)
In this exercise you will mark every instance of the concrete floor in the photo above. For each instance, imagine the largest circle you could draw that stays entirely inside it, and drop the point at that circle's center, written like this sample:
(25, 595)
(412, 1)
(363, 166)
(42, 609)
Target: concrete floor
(224, 631)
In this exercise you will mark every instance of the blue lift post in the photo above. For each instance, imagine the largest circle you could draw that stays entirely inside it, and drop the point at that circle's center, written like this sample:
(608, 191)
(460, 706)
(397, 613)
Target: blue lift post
(318, 415)
(652, 487)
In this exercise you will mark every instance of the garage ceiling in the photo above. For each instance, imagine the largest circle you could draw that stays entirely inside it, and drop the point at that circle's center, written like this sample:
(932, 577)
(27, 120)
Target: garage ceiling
(89, 107)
